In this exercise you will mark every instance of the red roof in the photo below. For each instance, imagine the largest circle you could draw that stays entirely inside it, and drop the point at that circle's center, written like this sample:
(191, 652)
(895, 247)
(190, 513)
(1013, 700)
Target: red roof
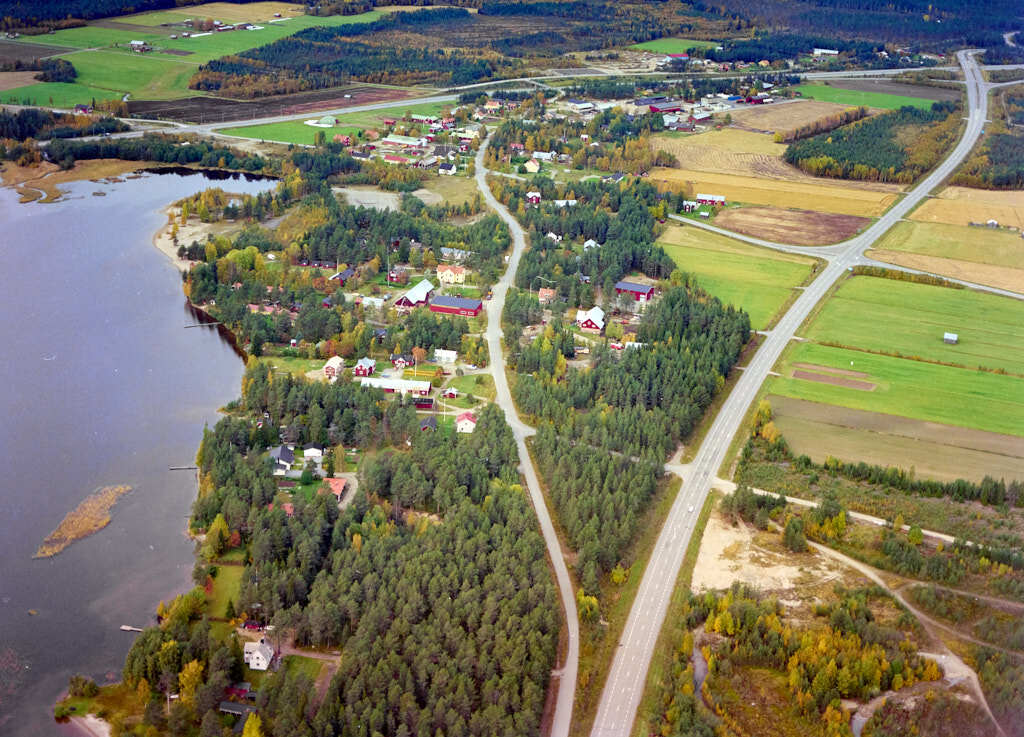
(288, 507)
(467, 415)
(336, 486)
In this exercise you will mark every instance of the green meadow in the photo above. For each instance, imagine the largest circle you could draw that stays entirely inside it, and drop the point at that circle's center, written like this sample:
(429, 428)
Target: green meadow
(57, 94)
(880, 100)
(674, 45)
(756, 279)
(292, 131)
(924, 391)
(909, 319)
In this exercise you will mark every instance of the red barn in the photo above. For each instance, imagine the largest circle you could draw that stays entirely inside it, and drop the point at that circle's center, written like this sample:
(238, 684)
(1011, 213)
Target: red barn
(639, 292)
(456, 306)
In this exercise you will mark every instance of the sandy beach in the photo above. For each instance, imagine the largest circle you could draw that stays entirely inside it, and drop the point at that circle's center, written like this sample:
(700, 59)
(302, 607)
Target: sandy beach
(91, 726)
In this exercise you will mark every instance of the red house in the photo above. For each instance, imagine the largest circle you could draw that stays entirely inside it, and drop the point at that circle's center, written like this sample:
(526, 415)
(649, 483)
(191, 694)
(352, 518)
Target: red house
(711, 199)
(639, 292)
(401, 360)
(533, 198)
(456, 306)
(364, 367)
(418, 295)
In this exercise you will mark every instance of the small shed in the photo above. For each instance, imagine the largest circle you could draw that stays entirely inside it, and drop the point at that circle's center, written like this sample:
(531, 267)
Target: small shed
(950, 338)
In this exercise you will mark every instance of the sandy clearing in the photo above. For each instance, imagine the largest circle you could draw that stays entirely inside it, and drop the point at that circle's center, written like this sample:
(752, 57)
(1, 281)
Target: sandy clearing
(731, 554)
(799, 227)
(381, 200)
(1001, 277)
(193, 230)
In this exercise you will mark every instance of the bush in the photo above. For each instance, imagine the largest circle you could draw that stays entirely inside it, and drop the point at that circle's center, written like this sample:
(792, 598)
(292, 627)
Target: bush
(80, 686)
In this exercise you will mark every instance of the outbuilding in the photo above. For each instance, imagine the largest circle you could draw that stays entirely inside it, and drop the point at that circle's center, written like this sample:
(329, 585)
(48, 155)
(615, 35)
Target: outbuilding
(950, 338)
(639, 292)
(591, 321)
(456, 306)
(334, 366)
(417, 296)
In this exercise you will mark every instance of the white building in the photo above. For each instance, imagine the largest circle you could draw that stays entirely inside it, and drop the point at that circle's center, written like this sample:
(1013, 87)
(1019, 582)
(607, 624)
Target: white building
(466, 422)
(444, 356)
(334, 366)
(258, 655)
(397, 386)
(591, 320)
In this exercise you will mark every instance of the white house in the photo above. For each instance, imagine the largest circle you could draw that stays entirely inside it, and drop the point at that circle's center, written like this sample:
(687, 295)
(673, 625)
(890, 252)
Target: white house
(397, 386)
(544, 155)
(312, 451)
(590, 243)
(466, 422)
(554, 236)
(258, 655)
(444, 356)
(826, 52)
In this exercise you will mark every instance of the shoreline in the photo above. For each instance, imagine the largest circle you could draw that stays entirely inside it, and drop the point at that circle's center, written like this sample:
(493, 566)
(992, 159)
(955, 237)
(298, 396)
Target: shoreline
(91, 725)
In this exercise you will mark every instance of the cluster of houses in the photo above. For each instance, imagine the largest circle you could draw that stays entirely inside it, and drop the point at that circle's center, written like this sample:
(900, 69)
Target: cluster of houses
(285, 456)
(421, 151)
(422, 294)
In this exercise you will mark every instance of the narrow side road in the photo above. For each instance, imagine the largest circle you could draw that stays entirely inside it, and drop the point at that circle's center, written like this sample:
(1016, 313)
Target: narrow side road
(503, 396)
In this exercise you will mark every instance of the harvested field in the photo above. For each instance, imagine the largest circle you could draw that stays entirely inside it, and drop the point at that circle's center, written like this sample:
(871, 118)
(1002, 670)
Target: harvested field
(729, 151)
(962, 205)
(933, 450)
(844, 198)
(219, 109)
(14, 51)
(1000, 277)
(783, 116)
(864, 386)
(995, 246)
(11, 80)
(799, 227)
(225, 12)
(890, 87)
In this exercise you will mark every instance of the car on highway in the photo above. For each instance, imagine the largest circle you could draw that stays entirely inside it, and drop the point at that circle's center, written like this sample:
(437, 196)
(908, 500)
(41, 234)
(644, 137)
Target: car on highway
(691, 508)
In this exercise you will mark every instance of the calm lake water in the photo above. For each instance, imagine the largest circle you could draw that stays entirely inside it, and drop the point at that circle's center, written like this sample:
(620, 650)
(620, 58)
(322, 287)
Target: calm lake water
(99, 385)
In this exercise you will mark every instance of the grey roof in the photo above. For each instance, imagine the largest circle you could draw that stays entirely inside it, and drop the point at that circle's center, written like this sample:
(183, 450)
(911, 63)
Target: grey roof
(282, 453)
(429, 423)
(630, 286)
(233, 707)
(458, 303)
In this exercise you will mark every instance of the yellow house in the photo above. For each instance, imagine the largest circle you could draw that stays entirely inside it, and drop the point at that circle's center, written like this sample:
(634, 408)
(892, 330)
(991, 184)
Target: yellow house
(450, 274)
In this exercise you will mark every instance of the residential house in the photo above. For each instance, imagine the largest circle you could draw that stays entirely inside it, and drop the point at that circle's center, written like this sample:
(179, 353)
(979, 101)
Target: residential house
(312, 451)
(365, 366)
(258, 655)
(447, 168)
(533, 198)
(398, 275)
(546, 295)
(417, 296)
(516, 147)
(493, 106)
(441, 355)
(454, 254)
(590, 243)
(342, 276)
(711, 199)
(397, 386)
(451, 274)
(465, 422)
(402, 360)
(287, 507)
(565, 203)
(333, 368)
(456, 306)
(236, 709)
(591, 321)
(282, 454)
(554, 236)
(450, 393)
(532, 166)
(428, 423)
(544, 155)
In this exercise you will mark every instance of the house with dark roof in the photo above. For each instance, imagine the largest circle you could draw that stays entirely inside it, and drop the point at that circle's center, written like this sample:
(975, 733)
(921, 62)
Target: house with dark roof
(428, 423)
(639, 292)
(343, 276)
(282, 454)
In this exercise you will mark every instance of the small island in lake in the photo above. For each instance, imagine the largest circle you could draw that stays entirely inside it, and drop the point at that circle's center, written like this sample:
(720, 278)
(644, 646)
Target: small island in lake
(90, 516)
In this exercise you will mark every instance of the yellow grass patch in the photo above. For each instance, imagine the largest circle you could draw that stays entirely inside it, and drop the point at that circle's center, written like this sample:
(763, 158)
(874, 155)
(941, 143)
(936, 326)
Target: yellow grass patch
(1001, 277)
(90, 516)
(33, 182)
(962, 205)
(817, 194)
(729, 150)
(231, 13)
(784, 116)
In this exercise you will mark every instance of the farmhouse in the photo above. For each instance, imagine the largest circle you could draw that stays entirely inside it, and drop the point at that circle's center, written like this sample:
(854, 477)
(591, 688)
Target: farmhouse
(532, 166)
(401, 360)
(451, 274)
(456, 306)
(533, 198)
(950, 338)
(445, 356)
(342, 276)
(418, 295)
(397, 386)
(639, 292)
(466, 422)
(710, 199)
(364, 367)
(546, 295)
(258, 655)
(334, 366)
(591, 321)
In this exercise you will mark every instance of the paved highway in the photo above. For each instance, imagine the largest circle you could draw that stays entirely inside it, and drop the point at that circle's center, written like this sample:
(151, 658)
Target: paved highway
(625, 685)
(503, 396)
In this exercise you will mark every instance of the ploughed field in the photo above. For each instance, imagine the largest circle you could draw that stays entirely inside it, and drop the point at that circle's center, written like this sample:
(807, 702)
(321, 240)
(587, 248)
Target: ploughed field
(798, 227)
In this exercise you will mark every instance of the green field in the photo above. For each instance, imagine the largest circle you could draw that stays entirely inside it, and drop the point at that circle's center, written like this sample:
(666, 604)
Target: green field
(292, 131)
(979, 245)
(913, 318)
(225, 586)
(107, 64)
(480, 386)
(924, 391)
(756, 279)
(855, 97)
(674, 45)
(57, 94)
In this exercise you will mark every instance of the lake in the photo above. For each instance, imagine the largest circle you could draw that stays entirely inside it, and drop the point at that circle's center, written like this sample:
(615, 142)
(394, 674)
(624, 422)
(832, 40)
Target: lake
(100, 384)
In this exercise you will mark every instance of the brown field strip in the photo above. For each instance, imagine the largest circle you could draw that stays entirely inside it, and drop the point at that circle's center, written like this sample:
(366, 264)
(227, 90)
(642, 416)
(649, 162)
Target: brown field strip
(820, 194)
(863, 386)
(784, 117)
(934, 450)
(961, 206)
(13, 80)
(799, 227)
(1000, 277)
(831, 370)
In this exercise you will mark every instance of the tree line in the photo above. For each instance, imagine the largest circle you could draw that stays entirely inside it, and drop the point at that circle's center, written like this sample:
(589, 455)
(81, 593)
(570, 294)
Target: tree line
(870, 149)
(822, 125)
(17, 13)
(34, 123)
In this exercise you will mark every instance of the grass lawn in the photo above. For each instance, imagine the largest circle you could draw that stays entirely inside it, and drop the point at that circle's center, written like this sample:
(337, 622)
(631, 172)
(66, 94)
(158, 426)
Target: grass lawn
(464, 291)
(58, 94)
(758, 280)
(225, 586)
(375, 118)
(116, 700)
(145, 76)
(856, 97)
(293, 365)
(480, 386)
(991, 328)
(293, 131)
(980, 245)
(674, 45)
(454, 189)
(295, 664)
(924, 391)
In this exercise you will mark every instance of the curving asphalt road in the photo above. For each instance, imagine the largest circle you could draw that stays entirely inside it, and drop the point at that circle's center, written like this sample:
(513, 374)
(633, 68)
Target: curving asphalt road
(627, 678)
(503, 396)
